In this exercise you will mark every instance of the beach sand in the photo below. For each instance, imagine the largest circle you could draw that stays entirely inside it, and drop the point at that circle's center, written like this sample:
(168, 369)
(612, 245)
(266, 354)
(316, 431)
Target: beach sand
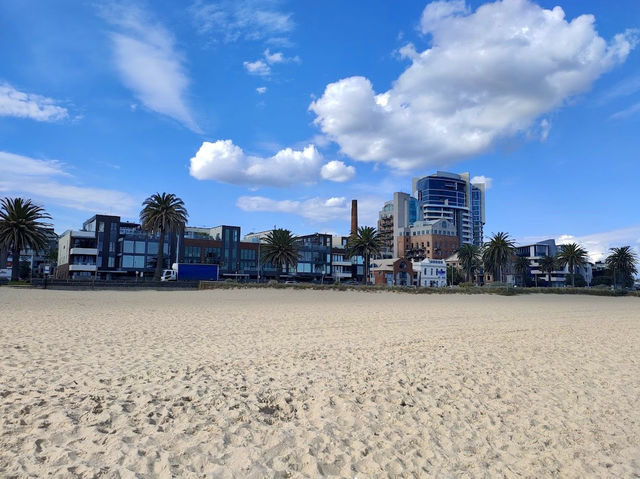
(284, 383)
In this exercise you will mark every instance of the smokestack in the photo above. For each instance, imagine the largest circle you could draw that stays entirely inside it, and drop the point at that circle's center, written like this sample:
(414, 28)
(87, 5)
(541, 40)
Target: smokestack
(354, 216)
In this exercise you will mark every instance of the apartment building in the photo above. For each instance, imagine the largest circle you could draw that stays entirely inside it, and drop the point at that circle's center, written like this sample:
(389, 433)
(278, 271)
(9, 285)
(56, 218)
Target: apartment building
(108, 248)
(433, 239)
(453, 197)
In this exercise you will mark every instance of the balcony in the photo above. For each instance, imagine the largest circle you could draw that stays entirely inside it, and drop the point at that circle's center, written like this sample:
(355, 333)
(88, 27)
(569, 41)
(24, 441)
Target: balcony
(83, 234)
(84, 251)
(83, 267)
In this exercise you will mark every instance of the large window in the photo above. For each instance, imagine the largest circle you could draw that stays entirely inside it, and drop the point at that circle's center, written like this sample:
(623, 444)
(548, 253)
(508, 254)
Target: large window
(152, 247)
(139, 262)
(140, 247)
(212, 255)
(127, 247)
(248, 254)
(127, 261)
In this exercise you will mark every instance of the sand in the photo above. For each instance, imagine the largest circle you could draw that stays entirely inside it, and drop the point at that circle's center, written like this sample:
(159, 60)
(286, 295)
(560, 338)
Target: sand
(283, 383)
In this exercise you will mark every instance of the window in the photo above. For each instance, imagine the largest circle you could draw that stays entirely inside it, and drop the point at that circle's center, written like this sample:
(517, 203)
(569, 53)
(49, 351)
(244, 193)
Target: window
(138, 262)
(127, 261)
(140, 247)
(152, 247)
(112, 261)
(248, 254)
(127, 247)
(211, 255)
(101, 227)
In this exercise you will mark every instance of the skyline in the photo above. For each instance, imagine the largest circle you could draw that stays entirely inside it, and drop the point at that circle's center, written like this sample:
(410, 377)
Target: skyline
(259, 108)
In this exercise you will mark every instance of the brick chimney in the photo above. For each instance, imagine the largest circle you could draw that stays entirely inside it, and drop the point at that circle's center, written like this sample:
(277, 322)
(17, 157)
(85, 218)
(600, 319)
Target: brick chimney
(354, 216)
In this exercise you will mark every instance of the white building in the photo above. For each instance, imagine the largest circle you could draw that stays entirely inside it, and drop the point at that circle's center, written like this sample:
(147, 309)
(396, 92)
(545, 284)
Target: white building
(433, 273)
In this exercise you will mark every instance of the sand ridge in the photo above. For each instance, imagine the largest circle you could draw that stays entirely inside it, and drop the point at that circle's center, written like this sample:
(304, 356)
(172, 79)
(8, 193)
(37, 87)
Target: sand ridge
(281, 383)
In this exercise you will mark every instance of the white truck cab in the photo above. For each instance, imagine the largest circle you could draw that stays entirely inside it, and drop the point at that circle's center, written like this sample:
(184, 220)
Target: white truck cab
(169, 275)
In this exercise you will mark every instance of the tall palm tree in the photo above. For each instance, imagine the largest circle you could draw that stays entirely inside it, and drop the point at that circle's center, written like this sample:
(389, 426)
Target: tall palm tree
(622, 260)
(521, 267)
(573, 255)
(162, 213)
(498, 252)
(548, 264)
(364, 242)
(21, 227)
(469, 255)
(280, 249)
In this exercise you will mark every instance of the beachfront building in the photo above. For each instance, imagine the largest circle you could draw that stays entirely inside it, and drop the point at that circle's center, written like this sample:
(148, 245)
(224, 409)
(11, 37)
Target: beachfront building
(35, 263)
(108, 248)
(535, 251)
(453, 197)
(394, 272)
(434, 239)
(433, 272)
(344, 267)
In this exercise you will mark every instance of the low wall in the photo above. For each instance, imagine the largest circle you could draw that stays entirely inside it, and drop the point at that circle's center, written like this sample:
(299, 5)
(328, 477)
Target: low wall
(105, 284)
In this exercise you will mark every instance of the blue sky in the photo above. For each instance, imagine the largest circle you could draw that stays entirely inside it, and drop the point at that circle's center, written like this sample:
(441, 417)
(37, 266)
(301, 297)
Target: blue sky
(263, 113)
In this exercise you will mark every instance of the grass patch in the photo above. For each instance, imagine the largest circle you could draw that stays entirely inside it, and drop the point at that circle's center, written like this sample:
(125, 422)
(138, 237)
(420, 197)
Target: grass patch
(497, 290)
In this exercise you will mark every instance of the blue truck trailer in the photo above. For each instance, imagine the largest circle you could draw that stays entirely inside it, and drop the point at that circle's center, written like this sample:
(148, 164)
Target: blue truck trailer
(191, 272)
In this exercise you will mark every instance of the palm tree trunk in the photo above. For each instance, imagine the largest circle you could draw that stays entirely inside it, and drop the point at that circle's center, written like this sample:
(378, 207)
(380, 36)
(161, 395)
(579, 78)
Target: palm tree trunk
(160, 262)
(573, 277)
(365, 269)
(15, 269)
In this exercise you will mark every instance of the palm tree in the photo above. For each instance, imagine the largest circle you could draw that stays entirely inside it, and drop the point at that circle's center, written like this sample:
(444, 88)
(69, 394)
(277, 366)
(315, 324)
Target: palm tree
(622, 260)
(497, 253)
(280, 249)
(364, 242)
(21, 227)
(521, 267)
(162, 213)
(548, 264)
(468, 255)
(573, 255)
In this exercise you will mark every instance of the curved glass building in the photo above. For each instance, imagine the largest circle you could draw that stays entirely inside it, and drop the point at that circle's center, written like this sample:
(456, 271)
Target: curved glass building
(453, 197)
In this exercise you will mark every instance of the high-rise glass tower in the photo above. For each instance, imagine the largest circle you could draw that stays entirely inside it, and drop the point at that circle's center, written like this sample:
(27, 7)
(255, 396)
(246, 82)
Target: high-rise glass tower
(454, 197)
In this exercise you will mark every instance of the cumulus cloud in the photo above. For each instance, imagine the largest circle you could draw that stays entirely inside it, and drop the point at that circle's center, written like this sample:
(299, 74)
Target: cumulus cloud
(226, 162)
(149, 64)
(49, 180)
(232, 20)
(29, 105)
(258, 67)
(489, 74)
(337, 171)
(261, 89)
(488, 182)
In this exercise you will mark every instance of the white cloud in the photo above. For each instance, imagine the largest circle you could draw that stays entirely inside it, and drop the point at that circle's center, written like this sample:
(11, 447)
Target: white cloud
(28, 105)
(626, 113)
(149, 64)
(337, 171)
(314, 209)
(261, 89)
(223, 161)
(232, 20)
(278, 57)
(43, 179)
(262, 67)
(488, 75)
(598, 244)
(488, 182)
(258, 67)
